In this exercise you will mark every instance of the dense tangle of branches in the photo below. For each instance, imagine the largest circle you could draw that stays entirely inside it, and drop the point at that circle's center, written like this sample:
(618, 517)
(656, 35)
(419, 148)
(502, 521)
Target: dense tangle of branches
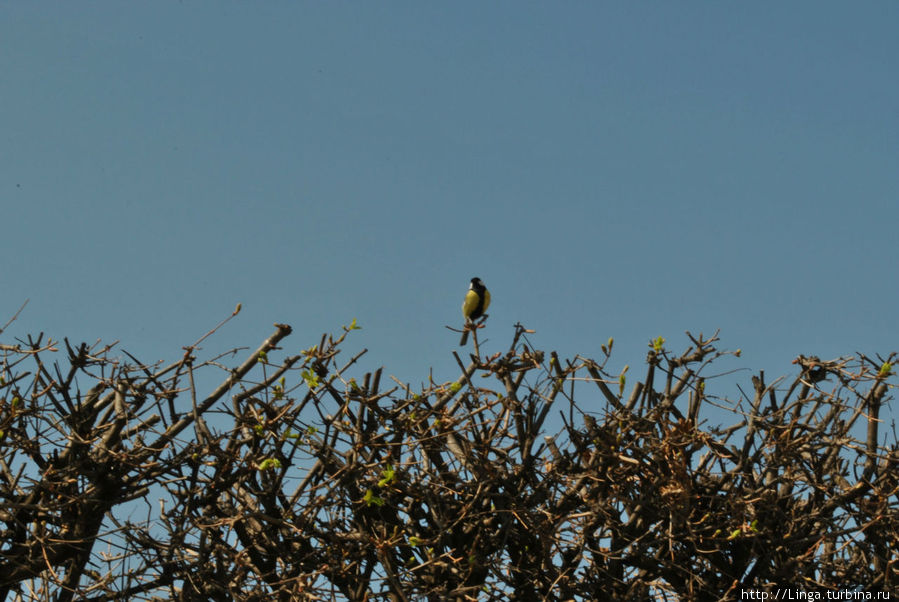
(529, 477)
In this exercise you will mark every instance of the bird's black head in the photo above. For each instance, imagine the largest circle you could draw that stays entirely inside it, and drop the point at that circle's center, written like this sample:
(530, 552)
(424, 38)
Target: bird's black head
(476, 282)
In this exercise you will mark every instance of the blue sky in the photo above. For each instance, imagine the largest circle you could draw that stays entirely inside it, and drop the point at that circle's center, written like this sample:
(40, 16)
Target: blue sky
(608, 169)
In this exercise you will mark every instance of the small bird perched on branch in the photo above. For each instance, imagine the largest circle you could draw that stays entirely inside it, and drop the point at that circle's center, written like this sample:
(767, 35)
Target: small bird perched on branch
(477, 300)
(812, 368)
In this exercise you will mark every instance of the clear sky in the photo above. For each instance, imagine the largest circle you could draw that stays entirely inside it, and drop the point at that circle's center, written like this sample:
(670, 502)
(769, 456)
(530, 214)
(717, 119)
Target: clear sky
(608, 169)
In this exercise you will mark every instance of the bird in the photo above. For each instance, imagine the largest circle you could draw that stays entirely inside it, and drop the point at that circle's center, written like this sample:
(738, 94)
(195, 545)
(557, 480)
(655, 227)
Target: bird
(477, 300)
(813, 368)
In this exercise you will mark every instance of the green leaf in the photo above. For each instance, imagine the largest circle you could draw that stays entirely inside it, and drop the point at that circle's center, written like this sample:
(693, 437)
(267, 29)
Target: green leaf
(387, 476)
(885, 370)
(657, 344)
(270, 464)
(414, 541)
(454, 388)
(371, 499)
(311, 379)
(622, 380)
(263, 357)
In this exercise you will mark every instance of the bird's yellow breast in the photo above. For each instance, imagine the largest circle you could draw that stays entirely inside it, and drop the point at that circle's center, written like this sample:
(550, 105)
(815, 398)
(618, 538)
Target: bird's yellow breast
(474, 306)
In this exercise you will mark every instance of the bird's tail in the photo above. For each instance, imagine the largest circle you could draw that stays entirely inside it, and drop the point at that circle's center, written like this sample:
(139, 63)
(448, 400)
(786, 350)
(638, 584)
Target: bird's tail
(464, 338)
